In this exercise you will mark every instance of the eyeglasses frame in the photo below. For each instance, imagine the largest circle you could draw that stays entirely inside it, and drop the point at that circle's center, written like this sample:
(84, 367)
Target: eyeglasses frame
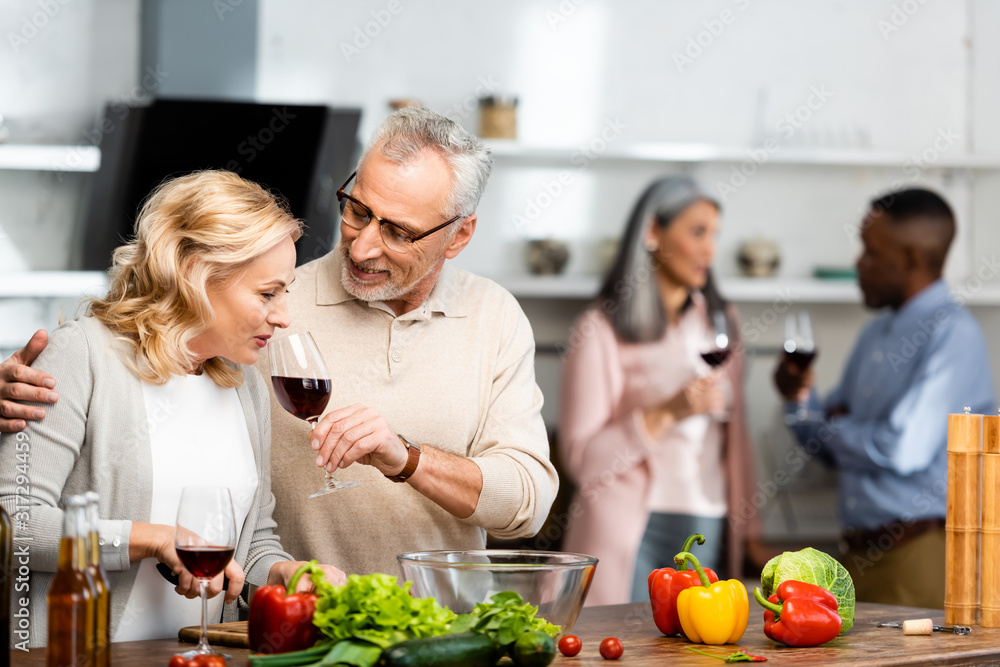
(413, 238)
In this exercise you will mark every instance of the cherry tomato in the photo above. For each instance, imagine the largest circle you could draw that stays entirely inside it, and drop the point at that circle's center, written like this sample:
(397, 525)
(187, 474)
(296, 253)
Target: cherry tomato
(611, 648)
(570, 645)
(207, 661)
(178, 661)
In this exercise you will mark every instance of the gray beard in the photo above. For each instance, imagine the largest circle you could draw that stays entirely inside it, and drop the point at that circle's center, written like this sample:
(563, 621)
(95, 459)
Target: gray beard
(388, 291)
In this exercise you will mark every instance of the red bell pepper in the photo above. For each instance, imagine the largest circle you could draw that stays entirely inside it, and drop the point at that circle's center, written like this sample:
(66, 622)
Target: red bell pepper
(665, 584)
(800, 614)
(282, 621)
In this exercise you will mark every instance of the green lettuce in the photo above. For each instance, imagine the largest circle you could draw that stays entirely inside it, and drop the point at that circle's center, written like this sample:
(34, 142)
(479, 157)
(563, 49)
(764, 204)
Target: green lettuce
(375, 609)
(812, 567)
(503, 619)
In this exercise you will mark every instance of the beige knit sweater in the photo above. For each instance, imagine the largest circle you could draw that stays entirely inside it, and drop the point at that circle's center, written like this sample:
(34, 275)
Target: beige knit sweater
(457, 373)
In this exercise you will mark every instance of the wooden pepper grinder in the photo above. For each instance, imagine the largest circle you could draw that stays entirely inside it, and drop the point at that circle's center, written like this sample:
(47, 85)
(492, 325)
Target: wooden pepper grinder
(961, 554)
(989, 606)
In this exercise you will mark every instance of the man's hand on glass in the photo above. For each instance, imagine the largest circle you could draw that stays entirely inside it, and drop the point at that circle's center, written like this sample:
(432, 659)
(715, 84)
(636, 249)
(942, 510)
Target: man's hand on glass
(357, 433)
(19, 384)
(792, 382)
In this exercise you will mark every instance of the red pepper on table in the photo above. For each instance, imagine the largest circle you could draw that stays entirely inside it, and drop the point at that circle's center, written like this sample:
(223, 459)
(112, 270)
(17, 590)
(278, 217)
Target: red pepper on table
(666, 584)
(282, 621)
(800, 614)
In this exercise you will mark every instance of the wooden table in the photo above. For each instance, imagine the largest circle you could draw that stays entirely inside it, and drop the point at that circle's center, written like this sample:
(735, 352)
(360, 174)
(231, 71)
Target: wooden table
(633, 624)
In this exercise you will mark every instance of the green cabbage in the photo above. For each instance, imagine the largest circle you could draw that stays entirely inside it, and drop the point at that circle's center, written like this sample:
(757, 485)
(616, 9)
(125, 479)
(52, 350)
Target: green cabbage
(812, 567)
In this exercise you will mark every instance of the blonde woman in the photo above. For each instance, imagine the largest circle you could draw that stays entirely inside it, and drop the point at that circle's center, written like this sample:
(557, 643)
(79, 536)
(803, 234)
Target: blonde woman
(158, 391)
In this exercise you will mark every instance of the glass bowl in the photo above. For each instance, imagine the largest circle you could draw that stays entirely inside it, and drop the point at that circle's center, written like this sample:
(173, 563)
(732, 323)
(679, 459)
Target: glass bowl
(555, 582)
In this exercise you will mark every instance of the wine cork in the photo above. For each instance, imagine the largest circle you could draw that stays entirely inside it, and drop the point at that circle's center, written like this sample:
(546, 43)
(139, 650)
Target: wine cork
(918, 626)
(989, 597)
(961, 585)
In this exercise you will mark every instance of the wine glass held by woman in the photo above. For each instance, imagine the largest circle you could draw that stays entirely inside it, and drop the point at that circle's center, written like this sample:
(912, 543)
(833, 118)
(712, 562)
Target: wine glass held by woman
(639, 399)
(205, 540)
(158, 392)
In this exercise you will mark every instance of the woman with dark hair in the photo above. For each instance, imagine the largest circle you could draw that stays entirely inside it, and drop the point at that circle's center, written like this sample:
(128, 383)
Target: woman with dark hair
(640, 428)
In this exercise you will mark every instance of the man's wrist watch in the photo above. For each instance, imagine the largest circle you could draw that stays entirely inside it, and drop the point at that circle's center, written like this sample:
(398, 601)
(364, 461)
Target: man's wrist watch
(413, 453)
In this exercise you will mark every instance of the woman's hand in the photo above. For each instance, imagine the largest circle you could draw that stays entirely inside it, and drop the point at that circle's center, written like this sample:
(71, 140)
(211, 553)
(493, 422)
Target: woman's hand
(701, 396)
(188, 585)
(281, 573)
(151, 540)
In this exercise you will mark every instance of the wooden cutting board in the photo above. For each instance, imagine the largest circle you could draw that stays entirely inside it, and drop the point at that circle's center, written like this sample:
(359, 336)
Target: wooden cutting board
(236, 634)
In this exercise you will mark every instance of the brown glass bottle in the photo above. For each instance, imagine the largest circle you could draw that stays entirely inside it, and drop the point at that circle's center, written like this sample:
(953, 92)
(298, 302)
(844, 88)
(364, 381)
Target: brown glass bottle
(71, 597)
(102, 591)
(6, 577)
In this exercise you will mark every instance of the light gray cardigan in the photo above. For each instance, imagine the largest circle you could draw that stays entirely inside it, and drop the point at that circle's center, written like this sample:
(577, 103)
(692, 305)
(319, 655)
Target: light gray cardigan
(96, 438)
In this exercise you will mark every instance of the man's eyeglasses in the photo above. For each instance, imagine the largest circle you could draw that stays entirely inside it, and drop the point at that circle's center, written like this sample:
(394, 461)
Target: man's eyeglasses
(396, 237)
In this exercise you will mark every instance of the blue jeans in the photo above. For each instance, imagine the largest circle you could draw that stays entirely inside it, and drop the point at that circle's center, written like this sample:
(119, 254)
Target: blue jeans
(663, 539)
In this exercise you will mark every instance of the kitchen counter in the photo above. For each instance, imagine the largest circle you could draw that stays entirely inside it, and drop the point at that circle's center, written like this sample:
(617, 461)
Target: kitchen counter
(633, 625)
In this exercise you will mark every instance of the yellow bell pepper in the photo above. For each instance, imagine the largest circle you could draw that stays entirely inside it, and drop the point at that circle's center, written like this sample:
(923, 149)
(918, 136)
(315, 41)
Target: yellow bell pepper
(712, 613)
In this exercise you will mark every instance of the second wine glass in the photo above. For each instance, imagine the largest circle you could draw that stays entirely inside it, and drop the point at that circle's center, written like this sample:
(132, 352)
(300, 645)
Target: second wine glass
(800, 350)
(302, 386)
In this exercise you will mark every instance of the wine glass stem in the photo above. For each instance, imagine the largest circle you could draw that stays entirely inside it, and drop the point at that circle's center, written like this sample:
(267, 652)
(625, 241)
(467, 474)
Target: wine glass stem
(203, 646)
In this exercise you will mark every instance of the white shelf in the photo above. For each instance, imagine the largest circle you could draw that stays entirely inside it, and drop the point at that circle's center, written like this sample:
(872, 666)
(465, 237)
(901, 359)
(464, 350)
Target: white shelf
(738, 290)
(794, 290)
(550, 287)
(742, 290)
(26, 284)
(28, 157)
(676, 152)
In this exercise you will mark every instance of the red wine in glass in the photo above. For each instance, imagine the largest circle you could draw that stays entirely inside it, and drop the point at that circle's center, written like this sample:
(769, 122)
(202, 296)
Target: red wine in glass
(716, 358)
(800, 350)
(305, 398)
(205, 561)
(302, 386)
(714, 349)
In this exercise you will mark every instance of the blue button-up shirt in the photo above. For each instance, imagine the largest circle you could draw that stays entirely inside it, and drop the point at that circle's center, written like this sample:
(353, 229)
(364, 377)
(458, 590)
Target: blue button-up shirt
(909, 370)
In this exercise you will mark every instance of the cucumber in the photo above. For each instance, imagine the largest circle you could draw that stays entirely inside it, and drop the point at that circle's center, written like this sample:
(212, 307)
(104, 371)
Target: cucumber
(467, 649)
(534, 648)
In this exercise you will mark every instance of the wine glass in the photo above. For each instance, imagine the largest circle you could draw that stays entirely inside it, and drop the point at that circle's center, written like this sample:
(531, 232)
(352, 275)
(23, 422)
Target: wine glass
(715, 348)
(302, 386)
(800, 350)
(205, 540)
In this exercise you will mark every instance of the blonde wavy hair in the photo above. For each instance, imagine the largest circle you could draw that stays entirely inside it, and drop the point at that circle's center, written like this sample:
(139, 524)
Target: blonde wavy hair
(194, 232)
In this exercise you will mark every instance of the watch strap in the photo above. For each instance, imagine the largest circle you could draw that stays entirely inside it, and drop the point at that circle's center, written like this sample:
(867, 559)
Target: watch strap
(413, 458)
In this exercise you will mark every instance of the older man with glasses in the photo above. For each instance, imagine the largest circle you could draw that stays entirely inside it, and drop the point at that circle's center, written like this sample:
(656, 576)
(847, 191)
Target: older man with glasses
(434, 408)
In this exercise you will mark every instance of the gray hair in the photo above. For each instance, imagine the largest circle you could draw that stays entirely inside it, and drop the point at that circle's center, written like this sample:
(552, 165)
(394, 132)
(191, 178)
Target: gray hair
(406, 133)
(631, 294)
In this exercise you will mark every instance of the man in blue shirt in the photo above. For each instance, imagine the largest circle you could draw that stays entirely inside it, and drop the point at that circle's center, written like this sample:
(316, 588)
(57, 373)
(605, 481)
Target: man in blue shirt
(885, 426)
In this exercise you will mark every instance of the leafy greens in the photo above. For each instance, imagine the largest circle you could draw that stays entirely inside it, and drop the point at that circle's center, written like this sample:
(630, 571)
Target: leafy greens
(505, 618)
(374, 608)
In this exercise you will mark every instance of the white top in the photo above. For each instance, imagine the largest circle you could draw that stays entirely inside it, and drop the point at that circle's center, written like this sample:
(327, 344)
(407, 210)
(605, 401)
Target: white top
(686, 462)
(198, 437)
